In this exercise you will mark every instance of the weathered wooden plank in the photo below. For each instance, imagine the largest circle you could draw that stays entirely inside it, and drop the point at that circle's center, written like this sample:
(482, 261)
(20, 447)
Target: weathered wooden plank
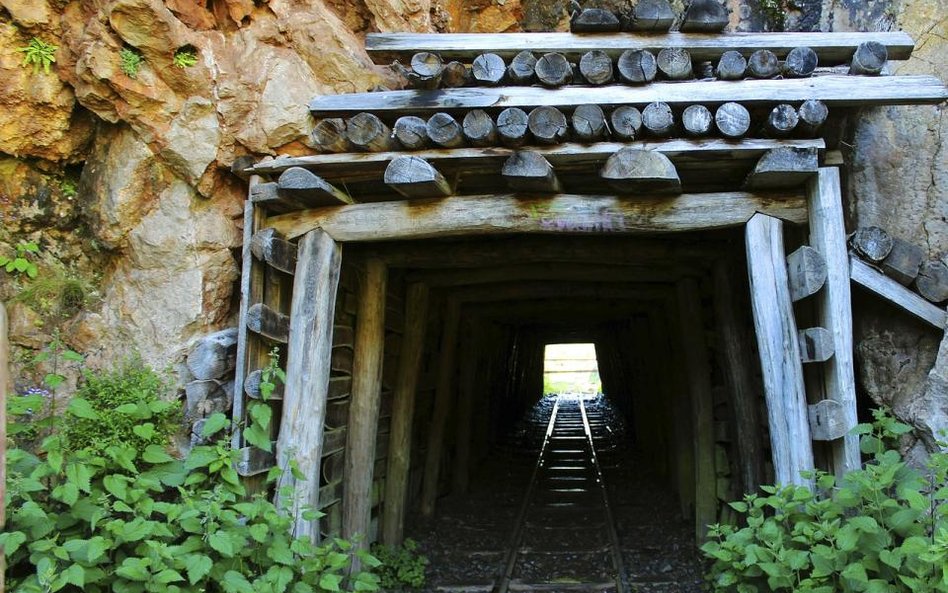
(834, 306)
(334, 441)
(562, 213)
(697, 368)
(370, 166)
(834, 48)
(442, 407)
(529, 171)
(341, 360)
(643, 171)
(903, 262)
(779, 351)
(301, 185)
(467, 381)
(307, 374)
(252, 461)
(806, 269)
(403, 412)
(413, 177)
(267, 195)
(6, 388)
(932, 281)
(737, 350)
(783, 167)
(364, 404)
(816, 344)
(827, 420)
(864, 275)
(568, 272)
(269, 246)
(834, 90)
(263, 320)
(337, 414)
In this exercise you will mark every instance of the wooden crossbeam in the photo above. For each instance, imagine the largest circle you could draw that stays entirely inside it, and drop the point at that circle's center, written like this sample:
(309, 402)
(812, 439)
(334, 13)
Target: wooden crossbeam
(369, 166)
(833, 90)
(864, 275)
(832, 48)
(562, 214)
(565, 272)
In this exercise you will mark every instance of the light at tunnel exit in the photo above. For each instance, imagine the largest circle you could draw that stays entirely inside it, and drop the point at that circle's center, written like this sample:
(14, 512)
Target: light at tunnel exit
(571, 369)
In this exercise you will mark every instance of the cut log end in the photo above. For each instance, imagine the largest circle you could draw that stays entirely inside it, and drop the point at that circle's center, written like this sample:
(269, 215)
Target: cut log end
(548, 125)
(479, 128)
(329, 135)
(594, 20)
(932, 281)
(488, 69)
(697, 120)
(634, 170)
(366, 131)
(816, 344)
(455, 75)
(512, 126)
(530, 171)
(596, 67)
(626, 122)
(554, 70)
(411, 132)
(414, 177)
(903, 262)
(806, 270)
(783, 167)
(869, 59)
(652, 15)
(522, 67)
(589, 123)
(732, 120)
(763, 63)
(637, 66)
(658, 119)
(731, 66)
(675, 64)
(871, 243)
(704, 16)
(444, 130)
(800, 62)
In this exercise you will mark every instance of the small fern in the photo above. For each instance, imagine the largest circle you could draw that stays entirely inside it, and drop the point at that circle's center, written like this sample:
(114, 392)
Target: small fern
(185, 57)
(39, 53)
(130, 62)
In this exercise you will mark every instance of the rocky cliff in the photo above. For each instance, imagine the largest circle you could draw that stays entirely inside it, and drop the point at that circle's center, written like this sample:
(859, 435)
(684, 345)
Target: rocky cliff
(121, 173)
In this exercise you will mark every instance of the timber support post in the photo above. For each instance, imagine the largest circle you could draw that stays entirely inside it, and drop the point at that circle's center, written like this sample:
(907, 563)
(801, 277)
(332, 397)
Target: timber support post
(779, 351)
(834, 305)
(403, 411)
(307, 373)
(444, 392)
(365, 401)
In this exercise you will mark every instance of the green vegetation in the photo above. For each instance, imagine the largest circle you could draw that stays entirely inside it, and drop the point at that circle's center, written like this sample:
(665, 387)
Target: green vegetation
(39, 53)
(775, 12)
(259, 412)
(130, 61)
(185, 57)
(884, 529)
(59, 292)
(403, 567)
(21, 262)
(122, 515)
(68, 187)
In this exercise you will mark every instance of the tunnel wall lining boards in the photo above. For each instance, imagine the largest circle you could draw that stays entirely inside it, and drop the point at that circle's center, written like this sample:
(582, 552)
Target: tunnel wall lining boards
(353, 332)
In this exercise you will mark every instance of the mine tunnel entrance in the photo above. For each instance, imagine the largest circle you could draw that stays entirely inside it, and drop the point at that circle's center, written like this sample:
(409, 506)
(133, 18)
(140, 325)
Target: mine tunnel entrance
(501, 489)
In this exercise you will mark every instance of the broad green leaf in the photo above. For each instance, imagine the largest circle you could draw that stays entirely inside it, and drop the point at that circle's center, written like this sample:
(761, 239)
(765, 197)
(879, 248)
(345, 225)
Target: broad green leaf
(856, 572)
(11, 541)
(156, 454)
(223, 542)
(145, 431)
(72, 356)
(197, 565)
(134, 569)
(258, 532)
(234, 582)
(81, 408)
(167, 576)
(214, 424)
(330, 582)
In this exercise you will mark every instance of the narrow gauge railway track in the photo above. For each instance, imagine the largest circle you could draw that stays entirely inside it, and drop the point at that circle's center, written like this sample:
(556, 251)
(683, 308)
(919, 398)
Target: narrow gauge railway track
(564, 537)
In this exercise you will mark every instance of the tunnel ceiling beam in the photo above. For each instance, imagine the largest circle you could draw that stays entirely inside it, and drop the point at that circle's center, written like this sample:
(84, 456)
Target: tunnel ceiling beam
(560, 214)
(832, 48)
(604, 272)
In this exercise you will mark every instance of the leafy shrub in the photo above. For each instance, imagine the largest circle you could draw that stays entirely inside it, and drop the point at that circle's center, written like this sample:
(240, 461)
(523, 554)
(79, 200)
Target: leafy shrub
(39, 53)
(21, 263)
(116, 518)
(121, 406)
(130, 61)
(401, 566)
(185, 57)
(884, 529)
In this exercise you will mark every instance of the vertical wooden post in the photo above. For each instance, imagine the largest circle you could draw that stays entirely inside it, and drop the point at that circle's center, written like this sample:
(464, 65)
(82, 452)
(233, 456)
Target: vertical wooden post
(307, 373)
(779, 350)
(6, 386)
(680, 396)
(403, 412)
(442, 406)
(828, 236)
(737, 364)
(698, 371)
(470, 360)
(364, 403)
(252, 274)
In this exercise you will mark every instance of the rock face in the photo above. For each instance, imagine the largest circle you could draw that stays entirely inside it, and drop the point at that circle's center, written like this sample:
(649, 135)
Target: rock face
(154, 217)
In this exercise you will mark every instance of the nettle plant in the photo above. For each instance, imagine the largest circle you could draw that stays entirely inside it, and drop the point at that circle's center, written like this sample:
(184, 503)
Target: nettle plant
(21, 263)
(884, 529)
(123, 515)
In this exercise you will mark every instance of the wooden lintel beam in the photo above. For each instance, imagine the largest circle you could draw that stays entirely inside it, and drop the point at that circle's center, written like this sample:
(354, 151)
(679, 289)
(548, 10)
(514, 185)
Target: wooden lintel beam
(553, 289)
(364, 166)
(832, 48)
(563, 214)
(833, 90)
(874, 281)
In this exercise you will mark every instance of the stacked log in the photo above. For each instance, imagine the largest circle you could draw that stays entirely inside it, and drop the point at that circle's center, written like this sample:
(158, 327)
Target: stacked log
(902, 261)
(210, 389)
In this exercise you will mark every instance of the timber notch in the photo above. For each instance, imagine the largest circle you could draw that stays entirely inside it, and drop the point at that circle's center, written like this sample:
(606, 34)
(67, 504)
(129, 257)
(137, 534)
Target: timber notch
(626, 181)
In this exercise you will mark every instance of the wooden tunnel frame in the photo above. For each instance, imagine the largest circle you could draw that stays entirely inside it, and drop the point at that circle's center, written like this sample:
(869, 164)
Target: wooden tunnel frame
(322, 232)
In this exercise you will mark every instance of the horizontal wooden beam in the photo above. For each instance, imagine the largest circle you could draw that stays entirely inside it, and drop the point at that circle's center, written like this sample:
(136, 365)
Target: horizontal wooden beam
(834, 90)
(562, 214)
(832, 48)
(864, 275)
(370, 166)
(554, 289)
